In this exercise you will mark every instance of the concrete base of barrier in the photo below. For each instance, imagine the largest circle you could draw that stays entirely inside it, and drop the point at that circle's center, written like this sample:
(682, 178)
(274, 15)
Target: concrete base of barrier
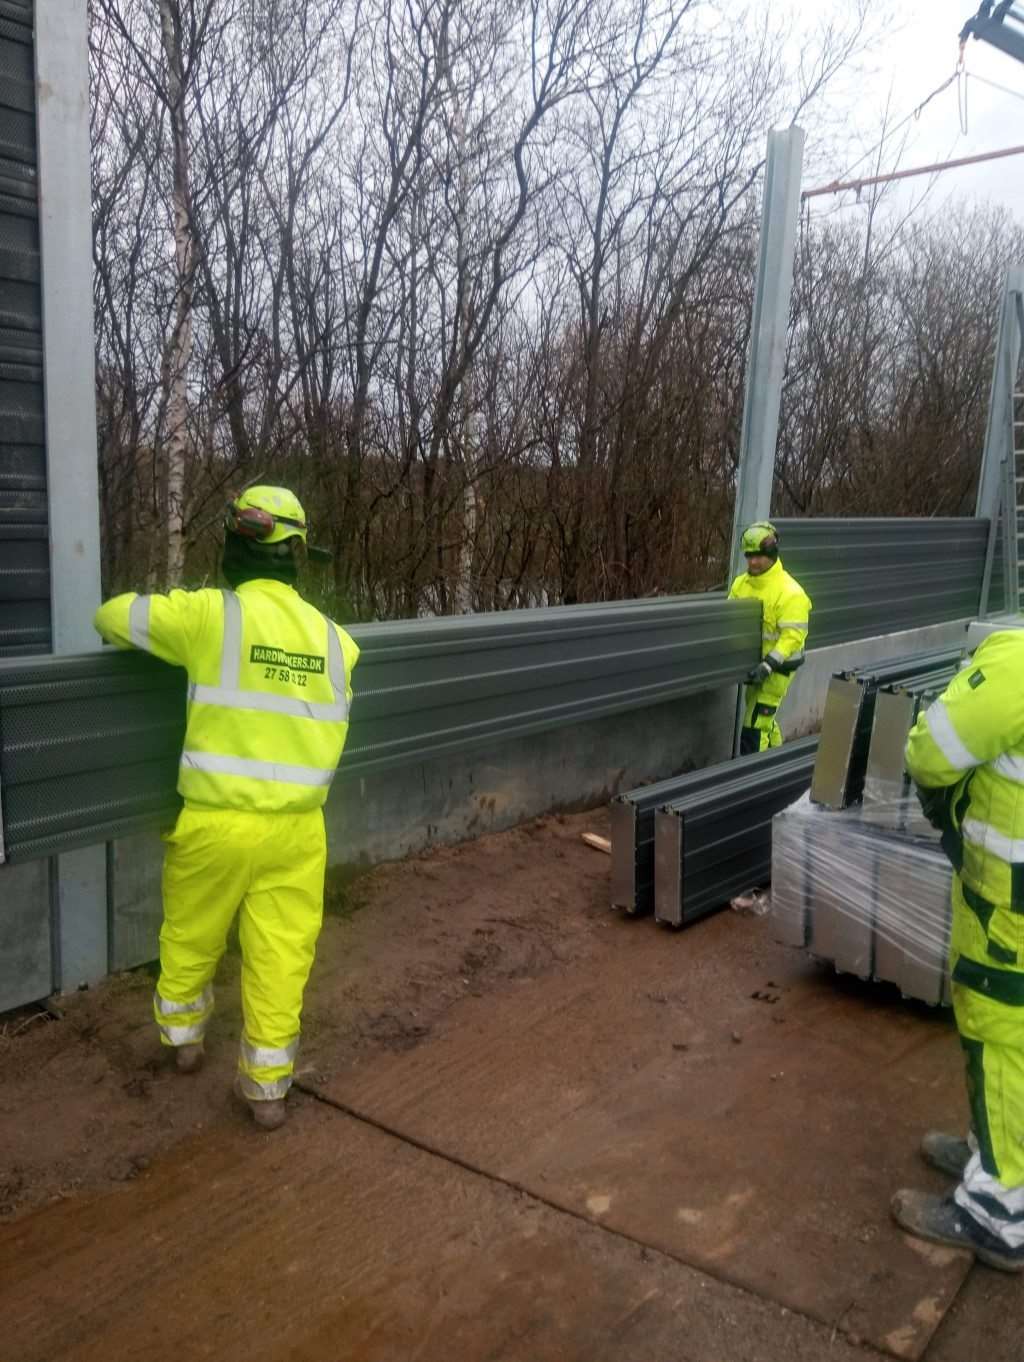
(382, 817)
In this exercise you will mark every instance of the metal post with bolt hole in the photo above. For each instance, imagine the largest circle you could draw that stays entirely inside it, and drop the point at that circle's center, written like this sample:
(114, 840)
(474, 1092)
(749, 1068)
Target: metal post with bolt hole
(78, 879)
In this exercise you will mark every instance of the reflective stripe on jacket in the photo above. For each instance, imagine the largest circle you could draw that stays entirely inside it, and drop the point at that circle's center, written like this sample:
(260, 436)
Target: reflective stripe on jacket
(785, 619)
(269, 690)
(971, 741)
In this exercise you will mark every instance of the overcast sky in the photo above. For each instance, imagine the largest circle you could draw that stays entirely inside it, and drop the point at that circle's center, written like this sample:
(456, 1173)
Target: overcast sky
(911, 59)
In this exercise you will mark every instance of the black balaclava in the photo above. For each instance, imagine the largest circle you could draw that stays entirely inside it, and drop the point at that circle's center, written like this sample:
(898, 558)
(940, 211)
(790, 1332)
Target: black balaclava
(246, 560)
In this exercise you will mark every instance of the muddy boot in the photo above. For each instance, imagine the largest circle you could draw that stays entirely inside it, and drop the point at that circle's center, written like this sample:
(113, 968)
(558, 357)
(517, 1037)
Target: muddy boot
(948, 1153)
(268, 1115)
(188, 1059)
(941, 1221)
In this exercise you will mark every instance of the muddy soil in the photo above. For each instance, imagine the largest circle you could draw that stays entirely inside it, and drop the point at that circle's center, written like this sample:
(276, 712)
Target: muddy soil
(87, 1097)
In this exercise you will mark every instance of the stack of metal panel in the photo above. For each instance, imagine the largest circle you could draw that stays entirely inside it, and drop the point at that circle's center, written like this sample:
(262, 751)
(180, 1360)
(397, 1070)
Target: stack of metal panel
(714, 843)
(865, 898)
(866, 887)
(632, 815)
(847, 723)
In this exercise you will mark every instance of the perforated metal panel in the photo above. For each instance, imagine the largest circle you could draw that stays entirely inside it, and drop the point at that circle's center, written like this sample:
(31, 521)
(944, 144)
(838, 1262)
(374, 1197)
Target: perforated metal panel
(24, 560)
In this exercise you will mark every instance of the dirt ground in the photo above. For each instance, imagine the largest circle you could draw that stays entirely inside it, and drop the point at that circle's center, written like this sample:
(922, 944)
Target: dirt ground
(89, 1100)
(523, 1128)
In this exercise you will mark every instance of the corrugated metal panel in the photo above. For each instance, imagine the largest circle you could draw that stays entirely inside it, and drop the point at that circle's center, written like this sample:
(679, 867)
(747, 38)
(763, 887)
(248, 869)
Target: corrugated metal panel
(24, 557)
(847, 722)
(89, 745)
(632, 818)
(869, 577)
(89, 748)
(437, 686)
(711, 845)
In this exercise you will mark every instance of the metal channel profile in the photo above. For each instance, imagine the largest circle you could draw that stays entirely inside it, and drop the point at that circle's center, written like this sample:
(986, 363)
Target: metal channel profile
(24, 551)
(837, 935)
(632, 815)
(841, 725)
(89, 745)
(869, 926)
(885, 778)
(712, 845)
(886, 782)
(919, 971)
(877, 576)
(846, 725)
(793, 878)
(903, 825)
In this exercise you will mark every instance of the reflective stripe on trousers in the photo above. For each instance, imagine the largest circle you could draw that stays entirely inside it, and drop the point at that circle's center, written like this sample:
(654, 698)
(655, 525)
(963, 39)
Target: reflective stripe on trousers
(997, 1208)
(189, 1018)
(259, 1069)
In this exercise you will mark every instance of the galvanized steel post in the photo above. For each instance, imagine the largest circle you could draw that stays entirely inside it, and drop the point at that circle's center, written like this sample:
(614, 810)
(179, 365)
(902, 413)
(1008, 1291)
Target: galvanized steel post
(78, 878)
(997, 464)
(766, 360)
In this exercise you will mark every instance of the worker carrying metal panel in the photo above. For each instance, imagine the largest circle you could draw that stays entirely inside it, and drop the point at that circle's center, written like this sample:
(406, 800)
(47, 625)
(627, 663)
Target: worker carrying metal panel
(785, 617)
(966, 757)
(270, 685)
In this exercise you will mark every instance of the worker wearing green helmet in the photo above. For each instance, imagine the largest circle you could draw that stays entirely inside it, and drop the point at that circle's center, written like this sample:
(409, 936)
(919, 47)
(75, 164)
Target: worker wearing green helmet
(966, 757)
(785, 617)
(270, 685)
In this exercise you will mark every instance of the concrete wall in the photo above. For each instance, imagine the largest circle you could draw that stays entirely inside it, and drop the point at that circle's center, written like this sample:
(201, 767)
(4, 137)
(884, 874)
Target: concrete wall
(386, 816)
(25, 964)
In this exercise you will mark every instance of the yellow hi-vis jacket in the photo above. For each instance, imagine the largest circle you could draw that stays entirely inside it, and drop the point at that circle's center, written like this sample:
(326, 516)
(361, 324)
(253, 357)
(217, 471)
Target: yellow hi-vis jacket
(268, 695)
(785, 619)
(971, 742)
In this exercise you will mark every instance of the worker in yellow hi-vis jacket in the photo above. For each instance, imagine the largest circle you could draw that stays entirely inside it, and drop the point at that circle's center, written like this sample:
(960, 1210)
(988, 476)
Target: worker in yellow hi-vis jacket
(269, 690)
(966, 757)
(785, 619)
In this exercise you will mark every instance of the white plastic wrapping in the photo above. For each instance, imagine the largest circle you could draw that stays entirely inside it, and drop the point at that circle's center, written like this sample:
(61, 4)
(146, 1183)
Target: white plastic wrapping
(867, 889)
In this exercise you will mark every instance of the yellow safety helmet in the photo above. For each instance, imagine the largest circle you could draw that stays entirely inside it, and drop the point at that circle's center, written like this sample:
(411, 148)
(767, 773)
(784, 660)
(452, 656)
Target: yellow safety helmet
(268, 515)
(761, 538)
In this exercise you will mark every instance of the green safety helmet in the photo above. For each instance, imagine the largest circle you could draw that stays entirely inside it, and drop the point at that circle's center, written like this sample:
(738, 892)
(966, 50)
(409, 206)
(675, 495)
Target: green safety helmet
(760, 538)
(267, 515)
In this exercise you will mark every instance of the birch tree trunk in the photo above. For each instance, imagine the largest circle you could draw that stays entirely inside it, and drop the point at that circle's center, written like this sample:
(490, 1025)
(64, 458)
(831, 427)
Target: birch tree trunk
(178, 347)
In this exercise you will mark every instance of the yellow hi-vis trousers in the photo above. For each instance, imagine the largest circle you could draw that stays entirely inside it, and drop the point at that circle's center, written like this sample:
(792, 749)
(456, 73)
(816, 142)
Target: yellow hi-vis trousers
(760, 729)
(269, 867)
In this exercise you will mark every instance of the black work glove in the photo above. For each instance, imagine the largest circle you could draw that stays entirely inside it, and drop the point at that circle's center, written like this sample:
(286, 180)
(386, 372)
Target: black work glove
(934, 805)
(760, 673)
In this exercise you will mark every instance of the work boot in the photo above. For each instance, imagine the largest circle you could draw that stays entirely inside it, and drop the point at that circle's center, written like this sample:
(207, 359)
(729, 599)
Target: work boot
(948, 1153)
(941, 1221)
(268, 1115)
(188, 1059)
